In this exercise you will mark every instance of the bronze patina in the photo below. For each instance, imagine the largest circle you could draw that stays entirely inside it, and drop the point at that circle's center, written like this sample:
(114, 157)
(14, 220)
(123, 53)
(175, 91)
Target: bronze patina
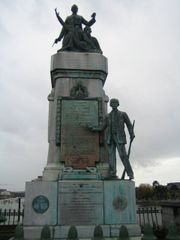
(74, 37)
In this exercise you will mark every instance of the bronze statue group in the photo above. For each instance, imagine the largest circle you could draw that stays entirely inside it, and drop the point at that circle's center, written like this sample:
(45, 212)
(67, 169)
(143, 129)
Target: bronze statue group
(73, 36)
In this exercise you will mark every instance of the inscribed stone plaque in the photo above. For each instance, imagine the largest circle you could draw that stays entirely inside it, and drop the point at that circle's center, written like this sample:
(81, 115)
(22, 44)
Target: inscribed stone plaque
(80, 202)
(119, 202)
(79, 146)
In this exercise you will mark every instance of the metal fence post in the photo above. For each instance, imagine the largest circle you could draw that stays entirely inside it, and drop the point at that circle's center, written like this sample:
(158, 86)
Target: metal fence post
(19, 209)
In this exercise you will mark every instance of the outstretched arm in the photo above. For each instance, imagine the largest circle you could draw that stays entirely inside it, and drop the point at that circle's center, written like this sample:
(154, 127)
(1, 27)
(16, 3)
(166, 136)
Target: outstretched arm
(58, 17)
(91, 22)
(63, 29)
(99, 128)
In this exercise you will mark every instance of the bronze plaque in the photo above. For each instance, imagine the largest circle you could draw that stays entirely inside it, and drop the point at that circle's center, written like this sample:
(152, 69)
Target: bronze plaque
(80, 202)
(79, 146)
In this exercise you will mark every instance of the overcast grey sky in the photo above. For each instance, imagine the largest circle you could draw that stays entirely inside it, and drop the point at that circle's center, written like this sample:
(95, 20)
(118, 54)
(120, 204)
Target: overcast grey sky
(140, 38)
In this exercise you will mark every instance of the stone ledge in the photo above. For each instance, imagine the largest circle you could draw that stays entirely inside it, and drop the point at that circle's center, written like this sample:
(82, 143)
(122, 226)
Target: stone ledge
(79, 61)
(84, 232)
(77, 74)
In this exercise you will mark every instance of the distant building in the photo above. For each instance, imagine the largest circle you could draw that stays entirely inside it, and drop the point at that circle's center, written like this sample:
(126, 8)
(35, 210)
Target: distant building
(4, 194)
(11, 203)
(2, 190)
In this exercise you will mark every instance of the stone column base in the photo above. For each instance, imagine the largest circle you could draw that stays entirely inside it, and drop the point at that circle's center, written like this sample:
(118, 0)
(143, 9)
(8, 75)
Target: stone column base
(51, 172)
(84, 232)
(82, 203)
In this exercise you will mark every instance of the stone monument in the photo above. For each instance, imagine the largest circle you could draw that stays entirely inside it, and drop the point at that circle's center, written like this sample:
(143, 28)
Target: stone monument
(79, 185)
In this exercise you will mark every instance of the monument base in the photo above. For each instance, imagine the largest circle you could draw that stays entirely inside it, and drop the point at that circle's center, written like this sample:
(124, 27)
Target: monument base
(82, 203)
(84, 232)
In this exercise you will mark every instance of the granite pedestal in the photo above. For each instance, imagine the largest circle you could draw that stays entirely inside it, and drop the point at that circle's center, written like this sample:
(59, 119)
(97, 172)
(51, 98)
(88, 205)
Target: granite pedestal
(84, 204)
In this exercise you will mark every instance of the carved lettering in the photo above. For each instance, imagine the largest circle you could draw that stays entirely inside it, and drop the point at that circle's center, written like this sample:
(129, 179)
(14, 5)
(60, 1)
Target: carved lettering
(81, 203)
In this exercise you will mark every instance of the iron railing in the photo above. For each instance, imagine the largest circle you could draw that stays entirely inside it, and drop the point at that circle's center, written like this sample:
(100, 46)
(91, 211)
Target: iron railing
(11, 216)
(151, 215)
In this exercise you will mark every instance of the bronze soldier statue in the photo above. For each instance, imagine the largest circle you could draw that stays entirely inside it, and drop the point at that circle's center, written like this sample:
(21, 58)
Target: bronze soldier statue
(116, 137)
(114, 124)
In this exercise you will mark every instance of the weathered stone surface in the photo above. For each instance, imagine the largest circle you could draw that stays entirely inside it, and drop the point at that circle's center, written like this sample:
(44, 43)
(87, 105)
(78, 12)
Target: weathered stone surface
(80, 202)
(64, 84)
(84, 174)
(133, 230)
(103, 168)
(79, 147)
(33, 190)
(170, 213)
(67, 69)
(80, 61)
(61, 232)
(119, 202)
(83, 203)
(52, 172)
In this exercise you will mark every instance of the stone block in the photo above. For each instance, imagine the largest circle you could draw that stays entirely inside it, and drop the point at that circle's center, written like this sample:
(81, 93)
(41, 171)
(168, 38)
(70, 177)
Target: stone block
(119, 202)
(103, 168)
(64, 85)
(84, 232)
(80, 175)
(66, 66)
(32, 233)
(133, 230)
(52, 171)
(83, 203)
(80, 61)
(80, 202)
(34, 213)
